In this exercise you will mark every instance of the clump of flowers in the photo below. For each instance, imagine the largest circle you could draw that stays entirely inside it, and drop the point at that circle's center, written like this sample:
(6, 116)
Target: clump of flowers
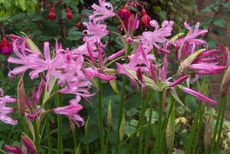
(146, 57)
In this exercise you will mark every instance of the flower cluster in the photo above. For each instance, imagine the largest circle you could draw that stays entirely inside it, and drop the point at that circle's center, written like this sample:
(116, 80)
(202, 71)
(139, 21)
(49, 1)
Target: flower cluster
(147, 58)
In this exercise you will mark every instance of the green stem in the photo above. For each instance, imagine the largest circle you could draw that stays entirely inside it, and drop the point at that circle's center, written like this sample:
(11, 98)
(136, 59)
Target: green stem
(49, 136)
(213, 143)
(100, 117)
(87, 148)
(37, 136)
(148, 130)
(107, 140)
(74, 138)
(198, 131)
(159, 125)
(58, 101)
(190, 144)
(222, 110)
(121, 110)
(141, 122)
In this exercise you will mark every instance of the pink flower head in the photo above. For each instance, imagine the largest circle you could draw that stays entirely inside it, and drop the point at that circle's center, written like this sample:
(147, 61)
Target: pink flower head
(5, 111)
(29, 60)
(150, 40)
(71, 111)
(188, 44)
(102, 11)
(67, 68)
(98, 68)
(145, 19)
(94, 32)
(210, 62)
(137, 60)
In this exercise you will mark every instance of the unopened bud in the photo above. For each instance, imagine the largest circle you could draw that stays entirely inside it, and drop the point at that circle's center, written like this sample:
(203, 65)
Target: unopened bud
(109, 114)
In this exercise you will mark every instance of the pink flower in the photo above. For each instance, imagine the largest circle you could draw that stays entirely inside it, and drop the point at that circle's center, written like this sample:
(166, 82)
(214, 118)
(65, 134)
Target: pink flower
(32, 61)
(137, 60)
(94, 32)
(71, 111)
(102, 11)
(187, 45)
(210, 62)
(205, 68)
(5, 111)
(155, 39)
(198, 95)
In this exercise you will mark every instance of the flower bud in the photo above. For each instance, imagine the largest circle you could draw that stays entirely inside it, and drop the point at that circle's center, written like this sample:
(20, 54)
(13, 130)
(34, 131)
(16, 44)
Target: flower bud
(188, 61)
(122, 127)
(31, 149)
(69, 14)
(109, 114)
(124, 14)
(78, 25)
(52, 15)
(145, 19)
(225, 83)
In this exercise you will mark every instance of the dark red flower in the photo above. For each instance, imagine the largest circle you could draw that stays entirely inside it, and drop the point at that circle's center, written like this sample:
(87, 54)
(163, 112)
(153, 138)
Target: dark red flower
(124, 14)
(69, 14)
(78, 25)
(52, 15)
(145, 19)
(5, 47)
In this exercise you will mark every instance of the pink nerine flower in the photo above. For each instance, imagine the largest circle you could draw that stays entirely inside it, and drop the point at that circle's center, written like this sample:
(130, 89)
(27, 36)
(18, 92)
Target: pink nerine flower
(158, 36)
(138, 60)
(94, 32)
(102, 11)
(71, 111)
(5, 111)
(32, 61)
(210, 62)
(187, 45)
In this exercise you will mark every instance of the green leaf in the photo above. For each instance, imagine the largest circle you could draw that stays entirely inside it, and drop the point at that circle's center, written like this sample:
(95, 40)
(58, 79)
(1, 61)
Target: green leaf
(220, 22)
(74, 34)
(170, 129)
